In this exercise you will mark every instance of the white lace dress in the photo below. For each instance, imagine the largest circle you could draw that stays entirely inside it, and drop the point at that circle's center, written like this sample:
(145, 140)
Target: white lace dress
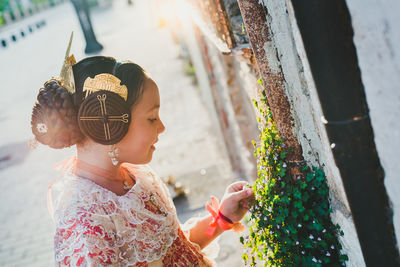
(96, 227)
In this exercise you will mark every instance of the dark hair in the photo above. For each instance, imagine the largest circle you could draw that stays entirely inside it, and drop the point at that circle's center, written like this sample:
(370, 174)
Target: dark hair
(54, 116)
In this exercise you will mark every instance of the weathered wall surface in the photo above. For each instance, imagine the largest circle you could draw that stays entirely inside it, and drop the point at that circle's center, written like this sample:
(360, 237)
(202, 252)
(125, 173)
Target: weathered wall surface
(376, 28)
(287, 54)
(240, 119)
(377, 33)
(223, 94)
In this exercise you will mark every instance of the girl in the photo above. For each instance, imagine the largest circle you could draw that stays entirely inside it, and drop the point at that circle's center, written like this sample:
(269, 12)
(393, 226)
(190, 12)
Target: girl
(110, 208)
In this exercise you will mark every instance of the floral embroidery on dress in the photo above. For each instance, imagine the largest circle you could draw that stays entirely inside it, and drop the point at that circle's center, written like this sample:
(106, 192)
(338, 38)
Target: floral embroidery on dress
(184, 253)
(96, 227)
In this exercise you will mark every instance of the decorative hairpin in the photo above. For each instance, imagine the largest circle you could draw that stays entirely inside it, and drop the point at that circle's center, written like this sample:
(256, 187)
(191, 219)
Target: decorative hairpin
(66, 75)
(102, 116)
(105, 81)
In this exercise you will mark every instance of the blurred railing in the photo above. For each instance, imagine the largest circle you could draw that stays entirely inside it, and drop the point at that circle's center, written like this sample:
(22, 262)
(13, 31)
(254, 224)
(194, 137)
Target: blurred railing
(15, 10)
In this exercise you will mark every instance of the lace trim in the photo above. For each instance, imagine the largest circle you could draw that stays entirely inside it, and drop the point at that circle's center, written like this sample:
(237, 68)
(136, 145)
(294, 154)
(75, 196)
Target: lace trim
(93, 222)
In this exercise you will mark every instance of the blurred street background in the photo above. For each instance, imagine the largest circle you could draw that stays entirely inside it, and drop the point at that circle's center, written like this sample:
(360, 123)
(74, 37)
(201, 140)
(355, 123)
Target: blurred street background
(32, 49)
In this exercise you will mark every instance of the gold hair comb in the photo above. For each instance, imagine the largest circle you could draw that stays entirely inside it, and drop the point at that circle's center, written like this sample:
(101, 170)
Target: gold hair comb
(105, 81)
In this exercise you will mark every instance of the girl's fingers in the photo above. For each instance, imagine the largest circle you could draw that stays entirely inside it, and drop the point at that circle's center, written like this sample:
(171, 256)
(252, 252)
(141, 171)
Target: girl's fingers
(244, 204)
(242, 194)
(237, 186)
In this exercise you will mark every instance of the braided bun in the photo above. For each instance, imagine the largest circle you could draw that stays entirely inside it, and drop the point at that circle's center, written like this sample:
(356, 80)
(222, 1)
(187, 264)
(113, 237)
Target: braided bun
(54, 118)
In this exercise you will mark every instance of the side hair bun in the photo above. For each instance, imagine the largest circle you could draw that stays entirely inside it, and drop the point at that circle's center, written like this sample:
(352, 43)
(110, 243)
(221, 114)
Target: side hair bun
(54, 117)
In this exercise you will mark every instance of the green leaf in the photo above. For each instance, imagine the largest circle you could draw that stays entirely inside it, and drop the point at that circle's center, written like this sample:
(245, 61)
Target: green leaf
(318, 226)
(309, 177)
(297, 194)
(245, 257)
(303, 184)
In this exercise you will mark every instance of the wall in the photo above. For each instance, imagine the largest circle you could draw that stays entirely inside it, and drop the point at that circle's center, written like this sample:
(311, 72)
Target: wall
(238, 120)
(376, 26)
(377, 32)
(287, 53)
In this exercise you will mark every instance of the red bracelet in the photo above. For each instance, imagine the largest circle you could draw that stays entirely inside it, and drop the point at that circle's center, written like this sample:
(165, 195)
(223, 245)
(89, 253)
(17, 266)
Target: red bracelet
(222, 216)
(220, 220)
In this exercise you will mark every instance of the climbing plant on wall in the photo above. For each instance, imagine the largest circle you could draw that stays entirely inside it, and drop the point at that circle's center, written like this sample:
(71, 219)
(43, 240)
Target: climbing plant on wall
(290, 221)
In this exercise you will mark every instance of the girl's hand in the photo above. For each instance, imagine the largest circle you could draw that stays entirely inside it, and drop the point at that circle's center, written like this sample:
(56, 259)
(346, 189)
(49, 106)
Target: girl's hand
(236, 201)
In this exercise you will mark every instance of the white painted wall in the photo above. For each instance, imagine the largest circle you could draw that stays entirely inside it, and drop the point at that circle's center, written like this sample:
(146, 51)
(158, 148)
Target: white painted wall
(307, 113)
(376, 25)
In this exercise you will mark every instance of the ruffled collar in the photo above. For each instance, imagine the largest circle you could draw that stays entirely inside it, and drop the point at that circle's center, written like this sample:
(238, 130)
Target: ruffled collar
(139, 232)
(97, 188)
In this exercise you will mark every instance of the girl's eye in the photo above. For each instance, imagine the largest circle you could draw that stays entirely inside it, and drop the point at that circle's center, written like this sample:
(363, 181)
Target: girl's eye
(152, 120)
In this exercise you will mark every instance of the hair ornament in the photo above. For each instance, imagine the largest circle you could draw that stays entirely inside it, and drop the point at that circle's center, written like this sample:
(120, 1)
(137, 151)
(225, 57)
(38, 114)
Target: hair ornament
(54, 110)
(66, 77)
(104, 116)
(105, 81)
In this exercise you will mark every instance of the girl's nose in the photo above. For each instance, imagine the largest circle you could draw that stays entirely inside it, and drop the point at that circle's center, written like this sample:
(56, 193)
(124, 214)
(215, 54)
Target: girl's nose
(162, 127)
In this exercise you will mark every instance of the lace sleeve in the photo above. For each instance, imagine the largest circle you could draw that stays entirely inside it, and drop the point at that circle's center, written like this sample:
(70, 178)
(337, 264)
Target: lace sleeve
(82, 242)
(211, 251)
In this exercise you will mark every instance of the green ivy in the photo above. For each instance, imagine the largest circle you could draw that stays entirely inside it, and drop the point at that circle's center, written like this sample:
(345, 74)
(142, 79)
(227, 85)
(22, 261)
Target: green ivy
(290, 221)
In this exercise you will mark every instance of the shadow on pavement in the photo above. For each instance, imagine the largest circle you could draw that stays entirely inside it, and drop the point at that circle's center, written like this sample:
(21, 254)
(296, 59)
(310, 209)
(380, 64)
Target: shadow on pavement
(13, 154)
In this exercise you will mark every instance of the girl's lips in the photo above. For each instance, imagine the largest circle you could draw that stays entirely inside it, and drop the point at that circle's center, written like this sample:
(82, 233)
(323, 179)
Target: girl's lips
(152, 146)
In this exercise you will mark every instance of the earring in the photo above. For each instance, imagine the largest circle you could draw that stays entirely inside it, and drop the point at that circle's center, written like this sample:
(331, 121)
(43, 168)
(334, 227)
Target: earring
(113, 153)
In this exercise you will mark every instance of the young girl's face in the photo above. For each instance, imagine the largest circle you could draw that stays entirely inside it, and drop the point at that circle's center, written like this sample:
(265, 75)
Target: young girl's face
(137, 146)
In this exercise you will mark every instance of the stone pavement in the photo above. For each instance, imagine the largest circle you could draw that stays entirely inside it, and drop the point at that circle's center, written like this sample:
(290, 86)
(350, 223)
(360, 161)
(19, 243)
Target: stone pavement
(188, 149)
